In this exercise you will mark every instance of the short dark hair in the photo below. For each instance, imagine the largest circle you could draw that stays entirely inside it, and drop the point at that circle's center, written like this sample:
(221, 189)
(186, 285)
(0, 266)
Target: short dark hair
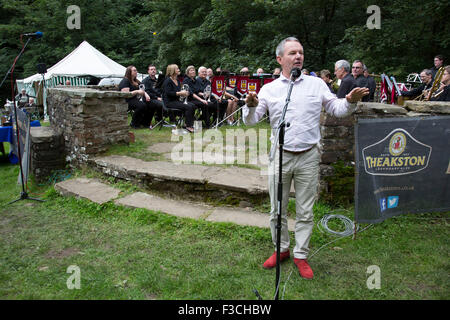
(440, 57)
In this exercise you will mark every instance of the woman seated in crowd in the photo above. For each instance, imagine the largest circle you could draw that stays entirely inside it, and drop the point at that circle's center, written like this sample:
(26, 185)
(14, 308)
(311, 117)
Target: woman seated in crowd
(443, 93)
(196, 94)
(172, 93)
(140, 102)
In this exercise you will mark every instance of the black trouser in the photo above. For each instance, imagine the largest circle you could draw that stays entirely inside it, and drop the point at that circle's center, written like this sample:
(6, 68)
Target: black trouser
(218, 107)
(143, 111)
(205, 111)
(140, 113)
(158, 109)
(188, 110)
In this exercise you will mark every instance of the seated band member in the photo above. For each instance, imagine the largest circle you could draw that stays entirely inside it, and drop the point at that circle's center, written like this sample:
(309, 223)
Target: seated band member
(216, 107)
(155, 95)
(195, 87)
(427, 81)
(172, 93)
(443, 93)
(139, 102)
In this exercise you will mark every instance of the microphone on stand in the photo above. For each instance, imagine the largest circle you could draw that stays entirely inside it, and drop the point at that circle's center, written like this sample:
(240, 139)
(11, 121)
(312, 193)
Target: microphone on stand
(37, 34)
(295, 73)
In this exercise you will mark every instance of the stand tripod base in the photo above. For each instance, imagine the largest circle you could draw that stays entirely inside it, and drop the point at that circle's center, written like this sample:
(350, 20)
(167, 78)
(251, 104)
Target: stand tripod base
(24, 196)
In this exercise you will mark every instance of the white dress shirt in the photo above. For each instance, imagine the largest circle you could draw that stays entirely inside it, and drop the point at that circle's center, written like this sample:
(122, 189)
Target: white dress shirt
(309, 95)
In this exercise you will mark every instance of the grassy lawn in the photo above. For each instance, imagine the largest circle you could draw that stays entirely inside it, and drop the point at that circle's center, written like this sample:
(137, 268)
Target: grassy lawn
(139, 254)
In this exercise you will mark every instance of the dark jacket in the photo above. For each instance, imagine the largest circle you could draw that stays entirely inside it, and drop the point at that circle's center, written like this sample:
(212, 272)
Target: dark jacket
(348, 83)
(417, 91)
(150, 88)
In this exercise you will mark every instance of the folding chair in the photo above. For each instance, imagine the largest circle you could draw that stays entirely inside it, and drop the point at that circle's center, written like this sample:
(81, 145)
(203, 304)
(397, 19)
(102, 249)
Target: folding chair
(178, 113)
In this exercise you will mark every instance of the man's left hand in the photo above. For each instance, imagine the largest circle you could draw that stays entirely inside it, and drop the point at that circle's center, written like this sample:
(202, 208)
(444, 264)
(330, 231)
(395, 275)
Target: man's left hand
(356, 94)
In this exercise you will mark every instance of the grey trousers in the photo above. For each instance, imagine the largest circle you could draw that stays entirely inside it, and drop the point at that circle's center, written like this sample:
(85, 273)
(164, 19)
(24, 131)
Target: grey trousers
(303, 169)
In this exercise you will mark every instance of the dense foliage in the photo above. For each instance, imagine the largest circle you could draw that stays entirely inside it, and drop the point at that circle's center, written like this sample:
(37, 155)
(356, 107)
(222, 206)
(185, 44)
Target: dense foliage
(227, 33)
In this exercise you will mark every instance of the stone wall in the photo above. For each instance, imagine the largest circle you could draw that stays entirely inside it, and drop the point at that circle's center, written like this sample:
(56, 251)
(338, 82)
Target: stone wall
(89, 120)
(338, 140)
(46, 152)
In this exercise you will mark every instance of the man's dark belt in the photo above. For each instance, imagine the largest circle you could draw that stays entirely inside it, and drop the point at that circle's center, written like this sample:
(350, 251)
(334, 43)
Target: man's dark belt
(298, 152)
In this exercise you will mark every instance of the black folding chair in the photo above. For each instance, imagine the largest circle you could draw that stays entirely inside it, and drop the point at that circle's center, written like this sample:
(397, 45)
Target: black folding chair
(177, 113)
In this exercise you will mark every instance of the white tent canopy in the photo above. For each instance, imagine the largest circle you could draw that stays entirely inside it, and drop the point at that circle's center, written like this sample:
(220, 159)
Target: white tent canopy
(85, 60)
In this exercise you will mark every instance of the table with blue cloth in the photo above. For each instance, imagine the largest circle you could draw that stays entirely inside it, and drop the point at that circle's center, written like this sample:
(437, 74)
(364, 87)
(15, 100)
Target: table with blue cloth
(6, 135)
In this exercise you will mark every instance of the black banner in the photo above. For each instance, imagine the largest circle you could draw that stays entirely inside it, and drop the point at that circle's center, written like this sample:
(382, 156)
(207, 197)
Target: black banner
(402, 166)
(23, 121)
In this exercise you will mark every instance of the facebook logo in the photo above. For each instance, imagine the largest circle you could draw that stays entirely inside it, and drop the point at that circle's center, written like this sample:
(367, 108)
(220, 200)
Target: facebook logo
(392, 202)
(383, 204)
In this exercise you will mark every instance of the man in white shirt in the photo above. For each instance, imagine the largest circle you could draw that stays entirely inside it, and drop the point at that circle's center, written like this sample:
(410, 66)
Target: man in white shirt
(301, 156)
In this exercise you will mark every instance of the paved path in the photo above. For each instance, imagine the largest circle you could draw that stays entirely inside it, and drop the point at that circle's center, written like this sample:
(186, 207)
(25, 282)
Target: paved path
(100, 192)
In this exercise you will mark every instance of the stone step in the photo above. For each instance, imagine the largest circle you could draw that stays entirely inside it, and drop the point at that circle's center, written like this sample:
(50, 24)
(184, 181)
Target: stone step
(90, 189)
(191, 181)
(100, 192)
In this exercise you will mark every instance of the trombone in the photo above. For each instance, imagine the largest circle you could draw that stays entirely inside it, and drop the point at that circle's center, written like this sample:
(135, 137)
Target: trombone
(436, 83)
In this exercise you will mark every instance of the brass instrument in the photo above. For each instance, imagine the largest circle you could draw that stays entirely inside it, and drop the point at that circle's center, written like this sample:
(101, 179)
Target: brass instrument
(223, 96)
(207, 93)
(421, 96)
(185, 87)
(437, 93)
(436, 83)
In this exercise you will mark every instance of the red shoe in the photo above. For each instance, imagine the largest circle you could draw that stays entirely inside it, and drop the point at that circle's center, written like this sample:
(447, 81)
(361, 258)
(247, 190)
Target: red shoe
(304, 269)
(272, 261)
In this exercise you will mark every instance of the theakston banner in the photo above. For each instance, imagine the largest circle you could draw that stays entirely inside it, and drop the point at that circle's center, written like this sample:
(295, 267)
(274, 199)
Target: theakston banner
(402, 166)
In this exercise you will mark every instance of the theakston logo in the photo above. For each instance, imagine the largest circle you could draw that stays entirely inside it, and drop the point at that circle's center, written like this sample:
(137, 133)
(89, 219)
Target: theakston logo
(398, 153)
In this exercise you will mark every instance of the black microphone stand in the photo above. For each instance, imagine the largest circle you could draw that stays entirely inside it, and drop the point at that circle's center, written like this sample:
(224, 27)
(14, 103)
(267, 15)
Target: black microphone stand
(282, 124)
(23, 194)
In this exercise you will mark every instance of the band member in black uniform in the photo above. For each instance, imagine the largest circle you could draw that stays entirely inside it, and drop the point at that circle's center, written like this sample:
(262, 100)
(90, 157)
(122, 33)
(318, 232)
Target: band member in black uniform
(155, 95)
(443, 93)
(140, 102)
(172, 93)
(195, 87)
(216, 107)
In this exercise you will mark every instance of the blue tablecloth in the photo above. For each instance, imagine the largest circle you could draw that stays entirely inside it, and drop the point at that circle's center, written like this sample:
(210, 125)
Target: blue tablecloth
(6, 135)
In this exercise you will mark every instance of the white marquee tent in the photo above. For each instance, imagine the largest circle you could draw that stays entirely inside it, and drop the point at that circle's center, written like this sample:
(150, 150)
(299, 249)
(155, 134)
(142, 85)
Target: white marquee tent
(77, 67)
(85, 60)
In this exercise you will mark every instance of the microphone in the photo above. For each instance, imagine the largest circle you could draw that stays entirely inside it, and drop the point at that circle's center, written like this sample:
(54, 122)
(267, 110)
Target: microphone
(37, 34)
(295, 73)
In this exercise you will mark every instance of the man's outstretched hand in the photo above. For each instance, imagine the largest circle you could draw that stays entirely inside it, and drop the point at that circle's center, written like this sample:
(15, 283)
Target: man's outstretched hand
(356, 94)
(252, 100)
